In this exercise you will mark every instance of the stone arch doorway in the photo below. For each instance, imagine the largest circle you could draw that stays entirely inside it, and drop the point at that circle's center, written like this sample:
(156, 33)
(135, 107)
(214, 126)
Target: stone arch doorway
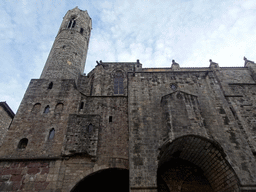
(194, 163)
(113, 179)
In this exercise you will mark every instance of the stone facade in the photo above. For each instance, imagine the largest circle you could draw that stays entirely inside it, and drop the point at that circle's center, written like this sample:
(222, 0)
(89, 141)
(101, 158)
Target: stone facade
(6, 117)
(144, 129)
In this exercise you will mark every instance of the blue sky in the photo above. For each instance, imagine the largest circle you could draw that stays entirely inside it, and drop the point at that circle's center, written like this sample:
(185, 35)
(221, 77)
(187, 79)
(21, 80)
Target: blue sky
(189, 31)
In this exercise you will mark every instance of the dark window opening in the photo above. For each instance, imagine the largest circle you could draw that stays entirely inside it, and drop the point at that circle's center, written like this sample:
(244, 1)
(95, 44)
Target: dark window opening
(81, 31)
(50, 85)
(72, 23)
(47, 109)
(110, 119)
(23, 143)
(91, 85)
(118, 83)
(69, 24)
(51, 134)
(81, 105)
(90, 128)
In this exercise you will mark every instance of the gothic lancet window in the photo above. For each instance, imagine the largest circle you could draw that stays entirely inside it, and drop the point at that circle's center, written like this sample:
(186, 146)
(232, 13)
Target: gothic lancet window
(51, 134)
(47, 109)
(118, 83)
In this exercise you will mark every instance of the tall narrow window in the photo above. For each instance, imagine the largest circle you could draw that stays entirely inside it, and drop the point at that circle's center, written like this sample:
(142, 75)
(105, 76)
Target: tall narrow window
(51, 134)
(110, 119)
(91, 84)
(74, 23)
(81, 31)
(90, 128)
(50, 85)
(81, 105)
(118, 83)
(23, 143)
(47, 109)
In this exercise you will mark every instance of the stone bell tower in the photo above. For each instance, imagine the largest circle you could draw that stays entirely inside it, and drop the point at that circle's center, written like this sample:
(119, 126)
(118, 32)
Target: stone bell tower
(68, 54)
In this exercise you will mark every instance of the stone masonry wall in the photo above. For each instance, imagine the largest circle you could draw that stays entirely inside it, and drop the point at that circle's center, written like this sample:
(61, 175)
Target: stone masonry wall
(100, 81)
(5, 121)
(42, 109)
(113, 130)
(148, 130)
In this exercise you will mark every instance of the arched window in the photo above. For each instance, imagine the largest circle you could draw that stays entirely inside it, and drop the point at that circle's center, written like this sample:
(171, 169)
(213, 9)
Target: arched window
(51, 134)
(47, 109)
(23, 143)
(36, 108)
(90, 128)
(72, 23)
(50, 85)
(59, 108)
(118, 83)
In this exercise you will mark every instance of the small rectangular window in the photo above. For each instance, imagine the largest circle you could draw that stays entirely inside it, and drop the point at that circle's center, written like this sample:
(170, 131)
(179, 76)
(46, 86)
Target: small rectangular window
(81, 31)
(110, 118)
(81, 105)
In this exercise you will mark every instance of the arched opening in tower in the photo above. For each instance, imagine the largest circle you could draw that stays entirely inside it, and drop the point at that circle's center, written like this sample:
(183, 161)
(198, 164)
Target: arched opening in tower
(194, 163)
(114, 180)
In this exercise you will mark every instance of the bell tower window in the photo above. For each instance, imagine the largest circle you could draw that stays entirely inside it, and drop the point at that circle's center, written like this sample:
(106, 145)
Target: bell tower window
(72, 23)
